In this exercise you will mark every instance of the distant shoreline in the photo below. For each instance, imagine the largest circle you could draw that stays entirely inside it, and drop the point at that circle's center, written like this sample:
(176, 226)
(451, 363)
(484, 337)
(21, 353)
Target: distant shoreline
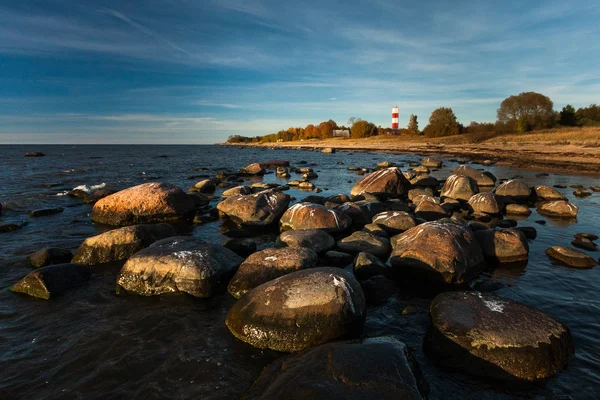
(572, 151)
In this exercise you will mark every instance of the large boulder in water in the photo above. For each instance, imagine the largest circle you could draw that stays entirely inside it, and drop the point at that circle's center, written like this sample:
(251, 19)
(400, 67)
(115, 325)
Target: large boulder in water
(547, 193)
(120, 244)
(571, 257)
(503, 245)
(432, 162)
(50, 281)
(485, 203)
(268, 264)
(314, 216)
(361, 241)
(558, 208)
(253, 169)
(299, 310)
(49, 256)
(514, 189)
(389, 181)
(495, 337)
(440, 251)
(374, 368)
(459, 187)
(149, 202)
(394, 222)
(314, 239)
(260, 209)
(478, 176)
(179, 264)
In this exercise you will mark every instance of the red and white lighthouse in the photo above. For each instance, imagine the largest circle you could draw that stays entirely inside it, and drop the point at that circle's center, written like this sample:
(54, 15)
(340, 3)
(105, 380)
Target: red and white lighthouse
(395, 117)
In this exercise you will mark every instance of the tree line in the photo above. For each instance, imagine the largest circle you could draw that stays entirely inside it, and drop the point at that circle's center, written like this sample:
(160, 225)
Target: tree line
(520, 113)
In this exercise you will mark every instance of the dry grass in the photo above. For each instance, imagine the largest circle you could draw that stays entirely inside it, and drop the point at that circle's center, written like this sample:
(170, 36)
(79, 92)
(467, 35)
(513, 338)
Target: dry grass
(556, 137)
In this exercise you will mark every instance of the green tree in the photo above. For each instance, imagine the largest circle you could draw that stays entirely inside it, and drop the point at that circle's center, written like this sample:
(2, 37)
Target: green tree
(588, 116)
(522, 124)
(361, 129)
(442, 123)
(567, 116)
(534, 107)
(413, 125)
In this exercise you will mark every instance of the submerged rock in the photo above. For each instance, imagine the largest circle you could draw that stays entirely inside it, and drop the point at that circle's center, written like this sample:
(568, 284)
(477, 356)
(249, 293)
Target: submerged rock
(49, 256)
(268, 264)
(314, 216)
(45, 211)
(441, 251)
(459, 187)
(571, 257)
(34, 154)
(503, 245)
(52, 280)
(374, 368)
(585, 244)
(315, 239)
(259, 209)
(389, 181)
(299, 310)
(149, 202)
(178, 264)
(495, 337)
(120, 244)
(559, 208)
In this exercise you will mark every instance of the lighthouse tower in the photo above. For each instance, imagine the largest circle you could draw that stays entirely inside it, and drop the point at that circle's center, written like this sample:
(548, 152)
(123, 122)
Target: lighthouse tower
(395, 117)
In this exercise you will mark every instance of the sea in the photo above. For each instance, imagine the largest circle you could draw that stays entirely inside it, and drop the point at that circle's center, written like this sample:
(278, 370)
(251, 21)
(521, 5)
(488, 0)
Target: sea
(91, 343)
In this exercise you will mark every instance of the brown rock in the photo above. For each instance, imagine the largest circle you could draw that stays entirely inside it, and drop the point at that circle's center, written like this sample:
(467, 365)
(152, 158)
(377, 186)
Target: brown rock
(459, 188)
(314, 239)
(388, 181)
(503, 245)
(558, 208)
(259, 209)
(479, 177)
(314, 216)
(571, 257)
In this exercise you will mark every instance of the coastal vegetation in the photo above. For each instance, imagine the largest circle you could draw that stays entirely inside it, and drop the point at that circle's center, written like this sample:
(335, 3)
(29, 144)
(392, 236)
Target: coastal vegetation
(524, 113)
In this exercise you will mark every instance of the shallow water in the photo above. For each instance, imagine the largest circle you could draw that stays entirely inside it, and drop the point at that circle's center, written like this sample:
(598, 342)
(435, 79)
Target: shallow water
(91, 343)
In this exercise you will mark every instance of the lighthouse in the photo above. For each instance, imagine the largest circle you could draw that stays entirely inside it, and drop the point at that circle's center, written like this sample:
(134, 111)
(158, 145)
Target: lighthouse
(395, 117)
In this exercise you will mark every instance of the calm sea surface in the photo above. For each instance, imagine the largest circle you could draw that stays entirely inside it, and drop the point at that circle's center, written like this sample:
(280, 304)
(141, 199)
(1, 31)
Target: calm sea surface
(92, 344)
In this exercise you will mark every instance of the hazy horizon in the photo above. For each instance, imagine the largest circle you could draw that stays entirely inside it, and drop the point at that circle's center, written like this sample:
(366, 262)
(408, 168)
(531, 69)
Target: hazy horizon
(181, 72)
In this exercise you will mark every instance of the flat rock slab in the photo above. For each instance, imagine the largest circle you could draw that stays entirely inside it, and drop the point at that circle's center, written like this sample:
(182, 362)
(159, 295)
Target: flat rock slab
(179, 264)
(53, 280)
(268, 264)
(491, 336)
(375, 368)
(299, 310)
(571, 257)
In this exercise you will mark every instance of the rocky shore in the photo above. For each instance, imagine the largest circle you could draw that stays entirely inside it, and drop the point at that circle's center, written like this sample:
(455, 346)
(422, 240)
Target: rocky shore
(308, 292)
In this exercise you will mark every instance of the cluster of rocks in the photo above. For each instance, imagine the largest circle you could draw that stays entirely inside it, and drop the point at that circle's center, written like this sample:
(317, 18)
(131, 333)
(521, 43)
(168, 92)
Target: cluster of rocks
(334, 256)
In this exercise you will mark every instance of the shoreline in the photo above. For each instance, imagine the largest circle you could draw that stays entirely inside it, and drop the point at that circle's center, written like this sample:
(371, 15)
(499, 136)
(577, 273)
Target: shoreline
(546, 157)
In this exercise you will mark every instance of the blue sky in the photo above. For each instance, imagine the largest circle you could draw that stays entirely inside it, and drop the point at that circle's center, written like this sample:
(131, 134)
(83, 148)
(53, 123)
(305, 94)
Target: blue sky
(196, 71)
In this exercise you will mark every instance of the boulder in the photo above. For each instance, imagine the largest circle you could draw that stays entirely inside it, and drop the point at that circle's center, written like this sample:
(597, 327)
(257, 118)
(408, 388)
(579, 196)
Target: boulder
(374, 368)
(432, 162)
(45, 211)
(376, 230)
(547, 193)
(97, 195)
(414, 193)
(328, 150)
(204, 186)
(178, 264)
(314, 216)
(389, 181)
(394, 222)
(149, 202)
(589, 236)
(424, 181)
(314, 239)
(337, 259)
(356, 212)
(237, 191)
(52, 280)
(299, 310)
(9, 227)
(479, 177)
(440, 251)
(49, 256)
(253, 169)
(459, 187)
(378, 289)
(514, 189)
(259, 209)
(243, 247)
(367, 265)
(430, 211)
(274, 164)
(417, 200)
(266, 265)
(120, 244)
(571, 257)
(385, 164)
(558, 208)
(585, 244)
(490, 336)
(421, 170)
(361, 241)
(503, 245)
(484, 203)
(517, 209)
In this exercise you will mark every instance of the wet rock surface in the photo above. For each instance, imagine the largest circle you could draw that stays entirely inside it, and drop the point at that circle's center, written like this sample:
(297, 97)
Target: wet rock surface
(51, 281)
(388, 181)
(314, 216)
(558, 208)
(49, 256)
(259, 209)
(459, 187)
(495, 337)
(299, 310)
(374, 368)
(361, 241)
(315, 239)
(571, 257)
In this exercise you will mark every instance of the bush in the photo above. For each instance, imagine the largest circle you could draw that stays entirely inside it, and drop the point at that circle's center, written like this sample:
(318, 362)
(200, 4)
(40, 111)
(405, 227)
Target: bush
(361, 129)
(442, 123)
